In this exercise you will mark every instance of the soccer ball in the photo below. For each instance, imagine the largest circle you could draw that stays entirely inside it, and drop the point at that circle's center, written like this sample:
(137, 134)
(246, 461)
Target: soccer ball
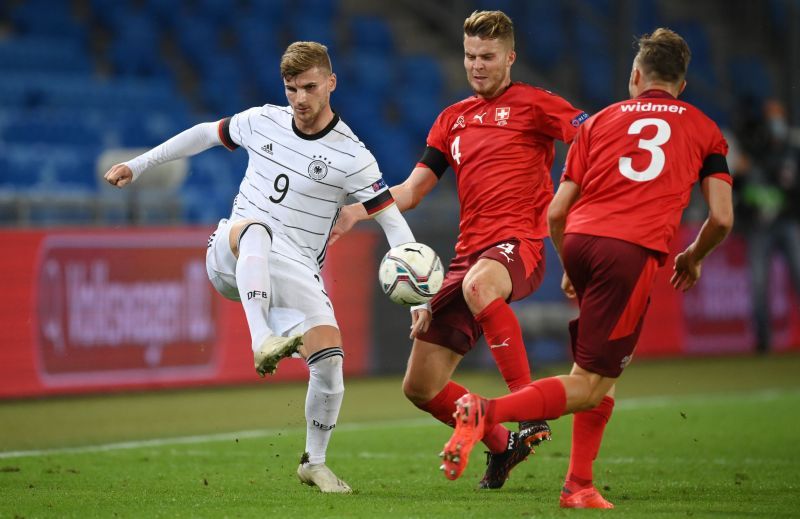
(411, 274)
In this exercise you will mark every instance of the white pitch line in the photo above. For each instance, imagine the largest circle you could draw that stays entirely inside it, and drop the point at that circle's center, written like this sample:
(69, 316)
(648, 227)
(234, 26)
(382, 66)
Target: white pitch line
(219, 437)
(625, 404)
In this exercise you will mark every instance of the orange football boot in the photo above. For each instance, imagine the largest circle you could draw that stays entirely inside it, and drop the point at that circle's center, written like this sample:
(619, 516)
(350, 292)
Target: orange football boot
(587, 497)
(470, 426)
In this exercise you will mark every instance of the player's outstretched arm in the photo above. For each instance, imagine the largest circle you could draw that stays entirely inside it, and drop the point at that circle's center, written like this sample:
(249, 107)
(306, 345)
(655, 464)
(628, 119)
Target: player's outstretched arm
(187, 143)
(406, 196)
(686, 270)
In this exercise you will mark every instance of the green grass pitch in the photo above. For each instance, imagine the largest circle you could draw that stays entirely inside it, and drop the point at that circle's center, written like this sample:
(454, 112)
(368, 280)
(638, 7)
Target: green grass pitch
(690, 438)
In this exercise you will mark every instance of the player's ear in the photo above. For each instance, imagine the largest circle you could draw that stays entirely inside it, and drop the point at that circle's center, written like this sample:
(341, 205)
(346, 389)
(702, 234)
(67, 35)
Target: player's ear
(512, 57)
(332, 82)
(682, 87)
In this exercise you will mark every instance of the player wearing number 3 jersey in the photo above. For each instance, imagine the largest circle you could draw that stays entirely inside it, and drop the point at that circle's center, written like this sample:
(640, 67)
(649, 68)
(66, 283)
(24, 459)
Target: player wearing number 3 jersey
(304, 162)
(627, 179)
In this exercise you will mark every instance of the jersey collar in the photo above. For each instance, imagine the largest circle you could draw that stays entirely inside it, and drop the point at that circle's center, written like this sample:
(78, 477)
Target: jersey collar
(657, 93)
(320, 134)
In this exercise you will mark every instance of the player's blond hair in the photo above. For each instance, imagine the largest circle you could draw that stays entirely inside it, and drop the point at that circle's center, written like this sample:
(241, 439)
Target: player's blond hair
(490, 25)
(663, 56)
(302, 56)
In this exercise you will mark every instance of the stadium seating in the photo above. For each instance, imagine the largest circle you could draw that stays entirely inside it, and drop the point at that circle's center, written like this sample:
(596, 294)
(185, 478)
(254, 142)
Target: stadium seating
(163, 65)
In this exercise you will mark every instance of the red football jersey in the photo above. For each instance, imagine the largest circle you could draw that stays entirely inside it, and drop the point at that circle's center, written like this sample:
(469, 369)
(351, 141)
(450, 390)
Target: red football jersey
(501, 150)
(636, 162)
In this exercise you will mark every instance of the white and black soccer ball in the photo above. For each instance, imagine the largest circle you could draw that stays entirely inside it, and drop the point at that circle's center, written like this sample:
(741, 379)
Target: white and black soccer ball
(411, 274)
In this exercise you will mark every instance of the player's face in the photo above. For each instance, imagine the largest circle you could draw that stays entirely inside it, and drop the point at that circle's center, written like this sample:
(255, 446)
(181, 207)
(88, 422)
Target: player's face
(488, 65)
(309, 94)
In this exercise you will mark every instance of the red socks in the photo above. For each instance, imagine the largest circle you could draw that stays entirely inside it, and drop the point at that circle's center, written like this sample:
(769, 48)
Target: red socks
(504, 336)
(587, 433)
(545, 399)
(443, 405)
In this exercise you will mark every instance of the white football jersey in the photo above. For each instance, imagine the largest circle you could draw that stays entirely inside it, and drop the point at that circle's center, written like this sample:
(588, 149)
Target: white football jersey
(297, 183)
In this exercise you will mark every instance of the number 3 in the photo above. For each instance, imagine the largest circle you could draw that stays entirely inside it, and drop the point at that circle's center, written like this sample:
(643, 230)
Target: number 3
(657, 159)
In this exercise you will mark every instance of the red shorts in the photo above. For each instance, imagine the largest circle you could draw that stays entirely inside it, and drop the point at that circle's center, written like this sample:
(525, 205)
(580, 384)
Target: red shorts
(453, 325)
(612, 279)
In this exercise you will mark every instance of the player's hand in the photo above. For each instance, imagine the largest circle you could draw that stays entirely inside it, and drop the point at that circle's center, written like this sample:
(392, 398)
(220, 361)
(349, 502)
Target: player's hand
(420, 319)
(119, 175)
(566, 286)
(686, 271)
(347, 219)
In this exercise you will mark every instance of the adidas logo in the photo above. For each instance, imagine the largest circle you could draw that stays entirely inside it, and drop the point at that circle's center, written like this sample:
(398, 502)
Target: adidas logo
(267, 148)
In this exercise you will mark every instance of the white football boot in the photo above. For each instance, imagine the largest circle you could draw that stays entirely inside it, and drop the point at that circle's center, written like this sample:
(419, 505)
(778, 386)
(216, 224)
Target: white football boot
(272, 350)
(323, 477)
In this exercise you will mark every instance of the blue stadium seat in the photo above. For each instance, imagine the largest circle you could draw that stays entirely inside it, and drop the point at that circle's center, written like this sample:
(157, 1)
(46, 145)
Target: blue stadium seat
(594, 61)
(43, 53)
(543, 34)
(47, 18)
(270, 9)
(646, 17)
(320, 9)
(313, 28)
(418, 111)
(702, 62)
(420, 73)
(395, 152)
(371, 34)
(47, 129)
(371, 73)
(363, 113)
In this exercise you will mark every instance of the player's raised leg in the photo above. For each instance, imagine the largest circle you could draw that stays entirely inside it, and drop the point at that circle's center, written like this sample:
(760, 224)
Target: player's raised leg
(251, 243)
(427, 385)
(544, 399)
(500, 275)
(324, 356)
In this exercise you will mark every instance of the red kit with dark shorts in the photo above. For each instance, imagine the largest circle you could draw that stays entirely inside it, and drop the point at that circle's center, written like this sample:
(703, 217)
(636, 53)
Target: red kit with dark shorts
(501, 151)
(635, 163)
(453, 325)
(612, 280)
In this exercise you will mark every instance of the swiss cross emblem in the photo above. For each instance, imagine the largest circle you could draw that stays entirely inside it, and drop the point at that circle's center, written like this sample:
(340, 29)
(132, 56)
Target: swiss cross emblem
(501, 115)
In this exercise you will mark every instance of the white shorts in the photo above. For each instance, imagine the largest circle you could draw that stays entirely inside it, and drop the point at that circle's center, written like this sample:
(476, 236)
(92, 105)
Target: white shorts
(299, 301)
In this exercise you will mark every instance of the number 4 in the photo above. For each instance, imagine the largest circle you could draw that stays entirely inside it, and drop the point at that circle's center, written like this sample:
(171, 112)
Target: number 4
(454, 151)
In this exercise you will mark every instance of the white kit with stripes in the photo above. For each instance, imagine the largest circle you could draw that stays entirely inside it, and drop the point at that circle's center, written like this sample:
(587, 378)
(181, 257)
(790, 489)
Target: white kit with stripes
(295, 184)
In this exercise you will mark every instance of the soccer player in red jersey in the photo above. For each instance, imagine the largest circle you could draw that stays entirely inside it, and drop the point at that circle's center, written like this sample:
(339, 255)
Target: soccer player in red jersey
(499, 143)
(627, 179)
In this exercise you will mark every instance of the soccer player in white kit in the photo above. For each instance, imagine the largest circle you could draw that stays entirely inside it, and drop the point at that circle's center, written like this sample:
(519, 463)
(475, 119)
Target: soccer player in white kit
(304, 162)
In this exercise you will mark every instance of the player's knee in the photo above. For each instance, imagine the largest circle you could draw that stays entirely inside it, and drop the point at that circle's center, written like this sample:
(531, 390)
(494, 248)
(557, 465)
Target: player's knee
(417, 393)
(478, 292)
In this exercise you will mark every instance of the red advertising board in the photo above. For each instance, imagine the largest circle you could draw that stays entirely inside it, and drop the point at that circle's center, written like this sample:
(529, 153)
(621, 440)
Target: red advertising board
(105, 310)
(715, 316)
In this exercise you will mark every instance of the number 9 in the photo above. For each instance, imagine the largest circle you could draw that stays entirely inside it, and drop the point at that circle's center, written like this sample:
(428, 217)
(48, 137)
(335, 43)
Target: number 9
(281, 187)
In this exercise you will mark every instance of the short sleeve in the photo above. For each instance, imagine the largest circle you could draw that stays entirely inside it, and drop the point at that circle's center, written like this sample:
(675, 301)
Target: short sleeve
(234, 131)
(437, 136)
(715, 163)
(365, 183)
(556, 117)
(576, 164)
